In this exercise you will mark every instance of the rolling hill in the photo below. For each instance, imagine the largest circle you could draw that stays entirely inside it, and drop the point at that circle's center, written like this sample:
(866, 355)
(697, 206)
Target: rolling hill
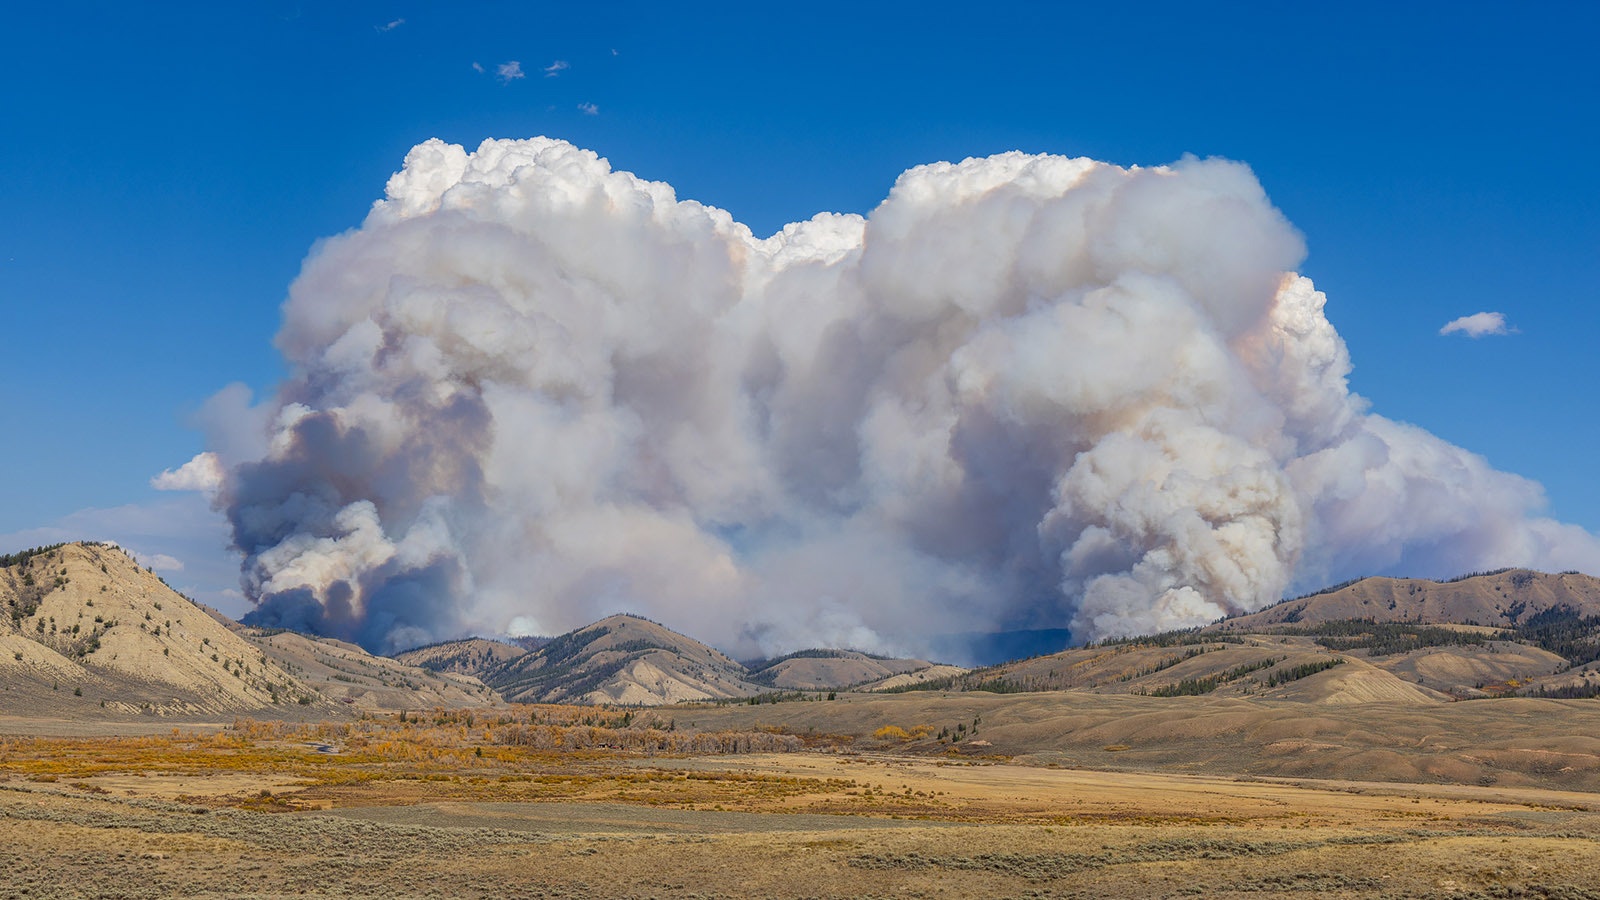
(345, 673)
(621, 659)
(823, 669)
(627, 659)
(1414, 641)
(89, 632)
(1506, 599)
(469, 656)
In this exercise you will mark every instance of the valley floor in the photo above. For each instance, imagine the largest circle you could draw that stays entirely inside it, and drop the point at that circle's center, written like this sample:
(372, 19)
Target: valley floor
(416, 809)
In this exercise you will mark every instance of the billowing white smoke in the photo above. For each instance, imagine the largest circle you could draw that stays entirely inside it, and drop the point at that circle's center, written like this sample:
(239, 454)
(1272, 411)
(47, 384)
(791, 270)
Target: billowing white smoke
(1025, 392)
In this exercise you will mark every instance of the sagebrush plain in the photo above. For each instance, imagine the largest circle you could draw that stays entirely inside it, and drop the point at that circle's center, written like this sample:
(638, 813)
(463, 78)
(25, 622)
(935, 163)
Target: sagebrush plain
(559, 801)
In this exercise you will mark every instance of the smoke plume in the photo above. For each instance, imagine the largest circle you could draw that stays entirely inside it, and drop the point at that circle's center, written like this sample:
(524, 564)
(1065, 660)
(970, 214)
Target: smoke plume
(1025, 392)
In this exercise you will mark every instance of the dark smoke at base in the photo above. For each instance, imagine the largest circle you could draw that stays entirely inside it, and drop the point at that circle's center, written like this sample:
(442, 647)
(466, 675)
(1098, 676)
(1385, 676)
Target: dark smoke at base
(398, 612)
(1027, 393)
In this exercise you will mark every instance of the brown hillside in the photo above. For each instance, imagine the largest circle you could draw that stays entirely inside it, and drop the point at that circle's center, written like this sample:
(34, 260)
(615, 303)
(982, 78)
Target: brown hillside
(343, 673)
(621, 659)
(89, 633)
(821, 670)
(1467, 671)
(93, 621)
(1515, 631)
(937, 672)
(1502, 599)
(471, 656)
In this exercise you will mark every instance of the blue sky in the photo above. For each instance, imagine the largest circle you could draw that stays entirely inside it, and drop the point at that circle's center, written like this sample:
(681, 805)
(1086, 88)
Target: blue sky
(165, 169)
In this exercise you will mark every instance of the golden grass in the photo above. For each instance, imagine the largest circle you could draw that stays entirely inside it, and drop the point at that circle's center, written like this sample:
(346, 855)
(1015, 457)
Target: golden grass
(525, 753)
(596, 820)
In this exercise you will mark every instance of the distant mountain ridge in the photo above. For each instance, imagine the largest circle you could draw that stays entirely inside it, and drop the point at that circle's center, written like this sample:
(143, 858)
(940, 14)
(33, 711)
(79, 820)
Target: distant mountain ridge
(1404, 640)
(1501, 598)
(90, 632)
(632, 660)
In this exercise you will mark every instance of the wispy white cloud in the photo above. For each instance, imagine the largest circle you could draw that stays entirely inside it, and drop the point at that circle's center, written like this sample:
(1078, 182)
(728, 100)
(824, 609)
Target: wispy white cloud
(203, 474)
(389, 26)
(508, 72)
(161, 562)
(477, 67)
(1478, 325)
(589, 109)
(556, 68)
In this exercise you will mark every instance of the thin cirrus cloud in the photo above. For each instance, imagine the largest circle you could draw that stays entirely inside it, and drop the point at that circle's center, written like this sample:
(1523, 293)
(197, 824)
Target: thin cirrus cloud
(508, 72)
(589, 109)
(1478, 325)
(556, 68)
(388, 26)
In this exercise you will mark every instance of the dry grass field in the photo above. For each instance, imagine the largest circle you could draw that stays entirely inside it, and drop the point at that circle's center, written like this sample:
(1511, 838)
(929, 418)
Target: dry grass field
(562, 801)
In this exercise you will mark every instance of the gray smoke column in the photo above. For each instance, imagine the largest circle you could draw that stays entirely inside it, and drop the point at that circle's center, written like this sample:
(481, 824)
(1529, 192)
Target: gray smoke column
(1025, 392)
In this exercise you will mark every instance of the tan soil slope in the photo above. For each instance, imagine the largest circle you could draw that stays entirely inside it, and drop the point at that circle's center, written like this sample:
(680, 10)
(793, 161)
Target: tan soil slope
(934, 672)
(1358, 681)
(471, 656)
(622, 659)
(1502, 599)
(1425, 675)
(829, 669)
(142, 648)
(1464, 671)
(345, 674)
(1127, 668)
(1277, 666)
(119, 636)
